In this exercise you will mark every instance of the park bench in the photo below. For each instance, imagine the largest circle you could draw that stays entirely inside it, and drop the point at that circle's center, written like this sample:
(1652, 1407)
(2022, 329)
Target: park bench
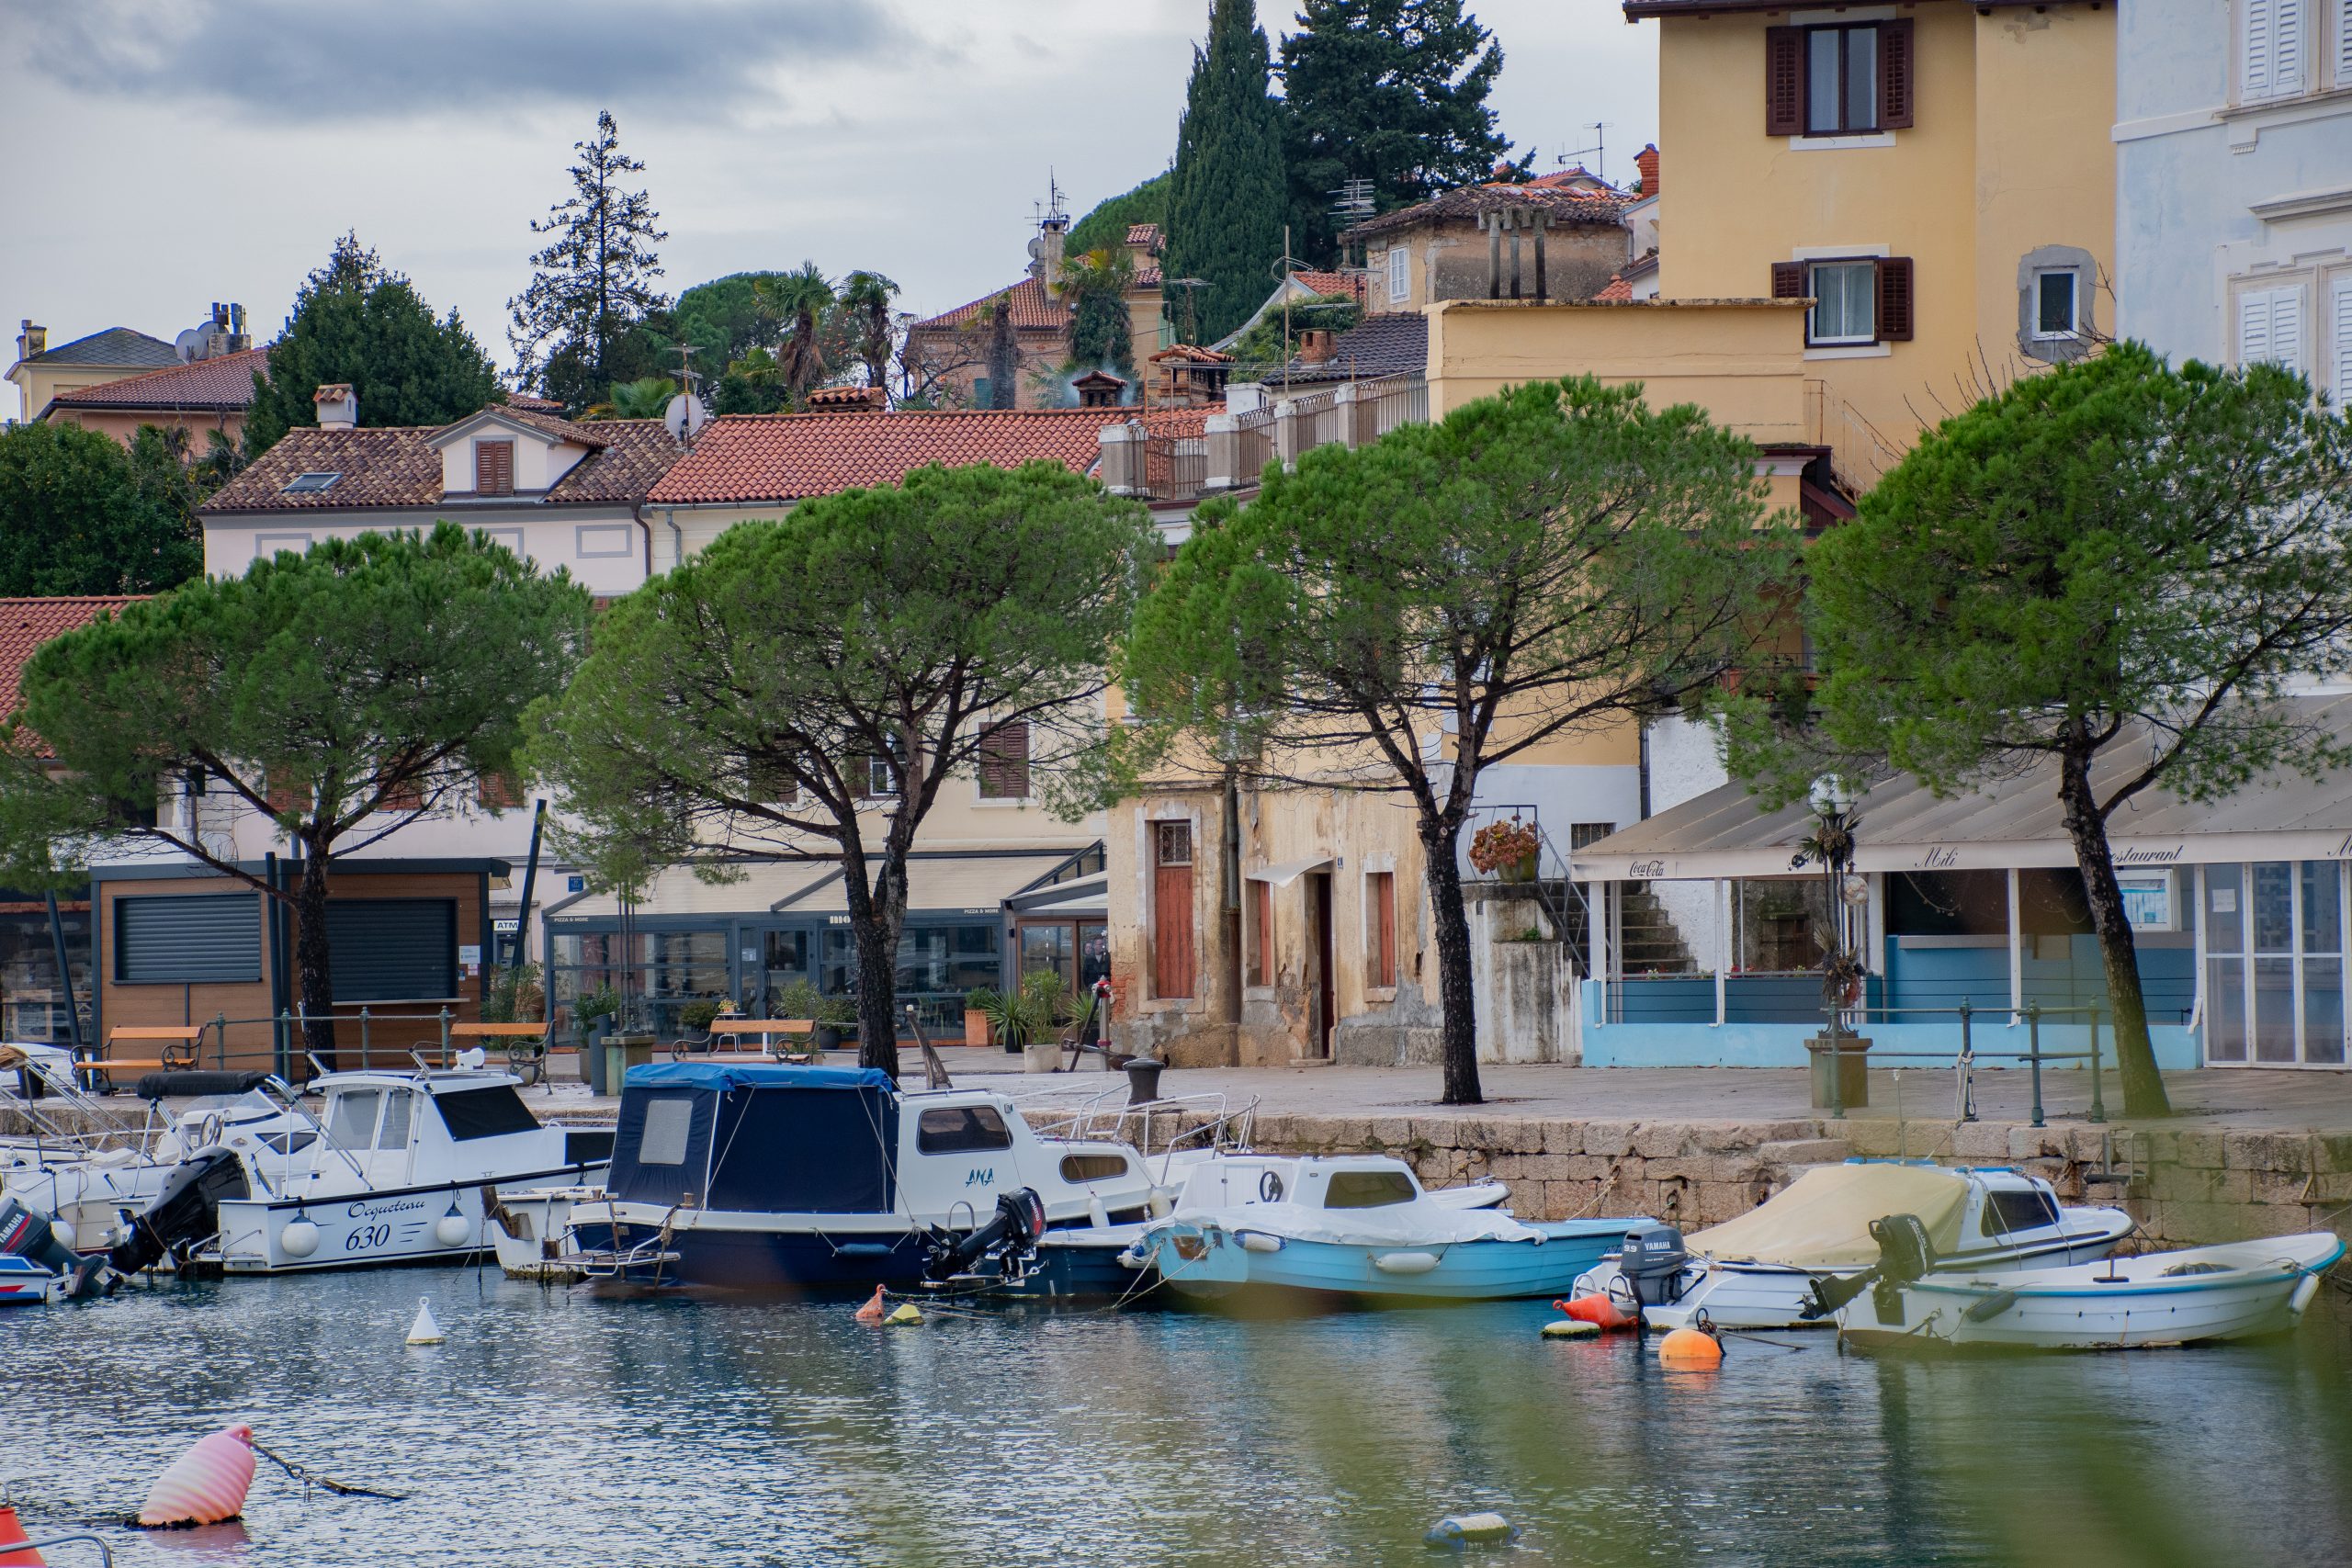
(173, 1046)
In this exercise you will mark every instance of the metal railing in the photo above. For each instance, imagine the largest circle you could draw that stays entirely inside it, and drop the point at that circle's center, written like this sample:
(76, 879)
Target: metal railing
(1175, 467)
(1254, 444)
(1964, 1060)
(1388, 404)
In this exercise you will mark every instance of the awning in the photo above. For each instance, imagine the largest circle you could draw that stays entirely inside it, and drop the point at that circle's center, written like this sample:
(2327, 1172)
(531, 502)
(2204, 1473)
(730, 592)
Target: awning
(1084, 897)
(2016, 821)
(1284, 872)
(976, 883)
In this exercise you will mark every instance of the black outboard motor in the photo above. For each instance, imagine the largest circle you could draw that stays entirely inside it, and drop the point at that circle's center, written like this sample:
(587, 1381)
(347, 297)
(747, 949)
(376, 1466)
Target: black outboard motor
(1906, 1254)
(1651, 1258)
(27, 1232)
(1013, 1234)
(183, 1215)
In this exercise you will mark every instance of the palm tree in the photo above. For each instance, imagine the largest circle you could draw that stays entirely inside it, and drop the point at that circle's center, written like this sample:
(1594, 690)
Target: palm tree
(804, 295)
(646, 399)
(866, 297)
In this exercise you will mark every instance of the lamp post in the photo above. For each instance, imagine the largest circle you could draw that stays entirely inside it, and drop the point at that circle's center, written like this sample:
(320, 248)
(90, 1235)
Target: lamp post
(1831, 846)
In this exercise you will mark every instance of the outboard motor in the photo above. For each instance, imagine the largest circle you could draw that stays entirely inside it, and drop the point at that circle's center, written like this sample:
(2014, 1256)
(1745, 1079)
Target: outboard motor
(27, 1232)
(1012, 1234)
(1651, 1258)
(1906, 1254)
(183, 1215)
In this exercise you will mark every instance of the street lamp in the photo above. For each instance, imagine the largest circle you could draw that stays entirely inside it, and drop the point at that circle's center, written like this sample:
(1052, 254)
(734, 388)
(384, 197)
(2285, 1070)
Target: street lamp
(1831, 846)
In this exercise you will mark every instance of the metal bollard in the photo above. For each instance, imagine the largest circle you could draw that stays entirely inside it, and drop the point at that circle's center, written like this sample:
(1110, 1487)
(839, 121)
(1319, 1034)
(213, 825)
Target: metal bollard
(2099, 1102)
(445, 1037)
(2033, 1048)
(1964, 1068)
(363, 1037)
(220, 1041)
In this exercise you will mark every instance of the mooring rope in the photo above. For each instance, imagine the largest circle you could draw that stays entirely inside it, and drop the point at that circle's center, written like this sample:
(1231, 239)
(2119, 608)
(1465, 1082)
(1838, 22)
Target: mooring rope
(310, 1478)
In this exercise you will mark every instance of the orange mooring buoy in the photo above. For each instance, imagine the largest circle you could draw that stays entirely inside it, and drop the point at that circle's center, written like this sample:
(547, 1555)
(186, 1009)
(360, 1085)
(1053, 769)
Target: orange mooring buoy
(1598, 1309)
(872, 1311)
(11, 1534)
(1687, 1350)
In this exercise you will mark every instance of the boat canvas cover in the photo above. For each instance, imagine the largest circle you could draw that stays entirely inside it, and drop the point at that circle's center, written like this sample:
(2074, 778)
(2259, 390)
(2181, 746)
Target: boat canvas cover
(757, 1138)
(1823, 1220)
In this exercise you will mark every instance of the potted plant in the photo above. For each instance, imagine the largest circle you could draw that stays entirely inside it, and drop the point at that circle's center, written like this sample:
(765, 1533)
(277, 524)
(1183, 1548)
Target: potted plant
(1506, 848)
(826, 1014)
(696, 1019)
(1021, 1020)
(591, 1013)
(836, 1019)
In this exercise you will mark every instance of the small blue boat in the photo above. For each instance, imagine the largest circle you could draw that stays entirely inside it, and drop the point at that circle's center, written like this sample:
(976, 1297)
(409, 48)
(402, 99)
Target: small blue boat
(1360, 1226)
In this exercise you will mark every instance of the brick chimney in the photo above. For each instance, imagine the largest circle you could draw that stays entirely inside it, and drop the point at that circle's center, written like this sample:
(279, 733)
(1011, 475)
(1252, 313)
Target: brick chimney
(1315, 345)
(338, 406)
(1646, 161)
(30, 339)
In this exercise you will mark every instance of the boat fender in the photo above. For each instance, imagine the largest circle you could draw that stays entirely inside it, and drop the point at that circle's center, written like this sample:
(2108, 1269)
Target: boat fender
(905, 1317)
(426, 1330)
(1987, 1308)
(1258, 1241)
(1600, 1310)
(872, 1311)
(299, 1239)
(1687, 1350)
(2302, 1296)
(1571, 1329)
(204, 1485)
(12, 1534)
(1457, 1530)
(1405, 1262)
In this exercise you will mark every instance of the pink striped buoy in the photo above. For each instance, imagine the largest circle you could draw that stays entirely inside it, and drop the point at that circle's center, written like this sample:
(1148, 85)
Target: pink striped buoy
(204, 1485)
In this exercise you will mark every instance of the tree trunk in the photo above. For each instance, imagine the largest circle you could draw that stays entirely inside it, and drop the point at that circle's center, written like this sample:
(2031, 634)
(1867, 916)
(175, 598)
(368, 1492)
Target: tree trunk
(313, 959)
(875, 918)
(2135, 1054)
(1456, 1002)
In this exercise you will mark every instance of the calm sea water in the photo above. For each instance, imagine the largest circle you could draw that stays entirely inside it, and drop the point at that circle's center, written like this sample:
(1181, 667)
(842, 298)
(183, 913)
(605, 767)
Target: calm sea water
(558, 1430)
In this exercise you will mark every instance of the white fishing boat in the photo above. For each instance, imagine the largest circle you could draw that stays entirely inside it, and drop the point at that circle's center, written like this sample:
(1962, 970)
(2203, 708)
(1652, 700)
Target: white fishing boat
(2195, 1295)
(1757, 1272)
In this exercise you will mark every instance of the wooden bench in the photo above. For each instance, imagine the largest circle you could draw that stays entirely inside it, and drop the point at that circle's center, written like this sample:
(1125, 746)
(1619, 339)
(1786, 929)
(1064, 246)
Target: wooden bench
(765, 1028)
(175, 1046)
(528, 1045)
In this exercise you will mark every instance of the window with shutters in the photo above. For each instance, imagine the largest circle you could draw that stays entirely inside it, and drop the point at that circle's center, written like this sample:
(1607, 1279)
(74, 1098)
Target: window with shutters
(1172, 966)
(768, 784)
(1847, 80)
(2340, 323)
(1379, 929)
(1260, 934)
(496, 792)
(1857, 300)
(493, 468)
(2270, 327)
(2274, 49)
(1005, 763)
(1400, 282)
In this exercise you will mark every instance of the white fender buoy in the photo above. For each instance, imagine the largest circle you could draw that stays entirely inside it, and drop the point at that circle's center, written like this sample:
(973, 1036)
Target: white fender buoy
(1405, 1262)
(204, 1485)
(299, 1239)
(1258, 1241)
(453, 1229)
(426, 1330)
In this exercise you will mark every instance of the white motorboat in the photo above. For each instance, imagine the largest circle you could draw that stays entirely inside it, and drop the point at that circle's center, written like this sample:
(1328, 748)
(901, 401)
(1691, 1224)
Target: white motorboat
(2191, 1296)
(1757, 1271)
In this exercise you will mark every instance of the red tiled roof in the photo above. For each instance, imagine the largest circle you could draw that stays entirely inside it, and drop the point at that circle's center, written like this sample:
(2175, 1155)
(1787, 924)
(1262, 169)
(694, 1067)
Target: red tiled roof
(526, 403)
(395, 466)
(223, 383)
(758, 457)
(1353, 284)
(1031, 310)
(1144, 235)
(1565, 206)
(1191, 354)
(1148, 276)
(1618, 289)
(26, 624)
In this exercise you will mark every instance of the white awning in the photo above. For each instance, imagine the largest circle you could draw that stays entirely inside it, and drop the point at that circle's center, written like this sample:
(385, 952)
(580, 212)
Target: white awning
(1284, 872)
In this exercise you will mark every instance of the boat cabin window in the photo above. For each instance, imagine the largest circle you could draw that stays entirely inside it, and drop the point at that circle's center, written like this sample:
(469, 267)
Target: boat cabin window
(1368, 1190)
(288, 1142)
(669, 1126)
(492, 1113)
(961, 1129)
(351, 1119)
(2007, 1211)
(391, 1133)
(1093, 1167)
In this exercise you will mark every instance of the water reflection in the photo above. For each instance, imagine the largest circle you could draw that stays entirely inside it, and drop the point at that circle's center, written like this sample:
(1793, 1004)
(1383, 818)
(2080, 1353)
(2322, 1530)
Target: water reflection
(572, 1429)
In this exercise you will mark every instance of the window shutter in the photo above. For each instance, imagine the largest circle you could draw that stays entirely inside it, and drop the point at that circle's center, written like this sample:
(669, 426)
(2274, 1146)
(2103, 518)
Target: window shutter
(2274, 49)
(1894, 75)
(1783, 81)
(2253, 327)
(2254, 48)
(1788, 280)
(496, 792)
(1005, 763)
(2344, 44)
(2286, 328)
(2342, 336)
(1894, 299)
(2289, 45)
(493, 468)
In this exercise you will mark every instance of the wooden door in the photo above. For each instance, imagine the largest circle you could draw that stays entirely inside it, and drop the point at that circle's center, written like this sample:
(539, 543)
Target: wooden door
(1173, 955)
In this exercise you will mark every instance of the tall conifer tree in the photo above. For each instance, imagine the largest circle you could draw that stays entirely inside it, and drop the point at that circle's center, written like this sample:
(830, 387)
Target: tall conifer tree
(593, 284)
(1226, 197)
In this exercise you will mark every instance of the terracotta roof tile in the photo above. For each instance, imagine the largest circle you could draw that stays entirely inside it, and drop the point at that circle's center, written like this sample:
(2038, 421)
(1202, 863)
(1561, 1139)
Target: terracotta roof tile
(1144, 235)
(1617, 289)
(1190, 353)
(26, 624)
(1355, 284)
(1566, 206)
(1031, 310)
(759, 457)
(223, 383)
(394, 466)
(526, 403)
(1148, 276)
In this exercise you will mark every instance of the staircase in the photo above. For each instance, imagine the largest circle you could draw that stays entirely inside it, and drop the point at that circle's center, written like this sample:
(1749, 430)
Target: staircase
(1652, 944)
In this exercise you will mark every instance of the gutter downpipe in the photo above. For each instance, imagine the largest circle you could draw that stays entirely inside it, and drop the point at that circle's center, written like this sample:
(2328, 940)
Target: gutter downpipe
(677, 537)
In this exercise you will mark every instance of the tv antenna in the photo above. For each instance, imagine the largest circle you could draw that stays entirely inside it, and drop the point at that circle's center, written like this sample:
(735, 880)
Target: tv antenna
(1051, 209)
(1599, 149)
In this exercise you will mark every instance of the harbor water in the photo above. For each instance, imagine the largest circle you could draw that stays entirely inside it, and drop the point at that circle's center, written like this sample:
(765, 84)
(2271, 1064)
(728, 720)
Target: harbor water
(557, 1427)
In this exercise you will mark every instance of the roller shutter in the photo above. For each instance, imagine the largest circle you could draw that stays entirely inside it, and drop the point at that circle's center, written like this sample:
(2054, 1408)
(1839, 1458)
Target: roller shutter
(187, 939)
(387, 950)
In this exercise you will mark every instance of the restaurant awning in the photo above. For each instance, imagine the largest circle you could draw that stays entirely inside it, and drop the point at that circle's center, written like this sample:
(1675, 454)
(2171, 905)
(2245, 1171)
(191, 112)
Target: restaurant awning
(2014, 821)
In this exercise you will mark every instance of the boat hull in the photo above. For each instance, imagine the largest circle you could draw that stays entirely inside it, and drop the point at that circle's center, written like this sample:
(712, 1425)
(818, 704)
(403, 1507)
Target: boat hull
(24, 1282)
(361, 1230)
(1208, 1262)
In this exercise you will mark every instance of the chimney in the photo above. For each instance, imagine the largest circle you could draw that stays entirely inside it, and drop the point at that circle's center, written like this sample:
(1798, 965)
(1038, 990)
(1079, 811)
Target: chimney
(338, 406)
(1646, 161)
(239, 340)
(1046, 253)
(1315, 345)
(30, 339)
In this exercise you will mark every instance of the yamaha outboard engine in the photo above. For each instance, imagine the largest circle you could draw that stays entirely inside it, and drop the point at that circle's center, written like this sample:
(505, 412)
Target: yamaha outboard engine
(183, 1215)
(1012, 1234)
(27, 1232)
(1651, 1258)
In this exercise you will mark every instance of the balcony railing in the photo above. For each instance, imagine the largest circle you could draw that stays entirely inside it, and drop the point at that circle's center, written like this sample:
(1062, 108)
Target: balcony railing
(1234, 449)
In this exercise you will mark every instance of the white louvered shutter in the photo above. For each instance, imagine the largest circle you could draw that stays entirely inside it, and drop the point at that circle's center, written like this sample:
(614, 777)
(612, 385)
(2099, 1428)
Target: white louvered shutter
(2275, 48)
(2256, 21)
(2340, 333)
(2286, 329)
(2344, 43)
(2254, 326)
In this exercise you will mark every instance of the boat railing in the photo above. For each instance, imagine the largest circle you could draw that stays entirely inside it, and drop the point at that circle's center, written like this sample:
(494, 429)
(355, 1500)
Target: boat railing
(1161, 1127)
(50, 1543)
(66, 1121)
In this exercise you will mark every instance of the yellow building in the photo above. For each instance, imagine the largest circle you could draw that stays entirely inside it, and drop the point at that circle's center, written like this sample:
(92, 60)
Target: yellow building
(1938, 177)
(42, 374)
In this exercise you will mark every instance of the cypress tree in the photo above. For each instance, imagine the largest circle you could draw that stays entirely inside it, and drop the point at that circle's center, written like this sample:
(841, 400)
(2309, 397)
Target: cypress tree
(1226, 197)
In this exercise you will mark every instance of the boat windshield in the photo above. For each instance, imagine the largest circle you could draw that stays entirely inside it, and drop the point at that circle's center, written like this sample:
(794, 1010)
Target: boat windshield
(1368, 1190)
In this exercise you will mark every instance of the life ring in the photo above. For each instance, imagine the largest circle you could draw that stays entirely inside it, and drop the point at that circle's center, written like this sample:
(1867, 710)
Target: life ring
(1269, 1186)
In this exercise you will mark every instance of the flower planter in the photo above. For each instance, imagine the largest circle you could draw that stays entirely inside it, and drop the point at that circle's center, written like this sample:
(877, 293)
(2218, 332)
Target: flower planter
(975, 1027)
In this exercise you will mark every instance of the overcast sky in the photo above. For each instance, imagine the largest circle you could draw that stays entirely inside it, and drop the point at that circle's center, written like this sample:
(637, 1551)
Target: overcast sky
(159, 155)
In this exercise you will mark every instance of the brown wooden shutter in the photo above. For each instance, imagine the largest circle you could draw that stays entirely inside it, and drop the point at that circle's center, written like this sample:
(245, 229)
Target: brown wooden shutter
(1172, 909)
(1894, 75)
(1783, 81)
(495, 467)
(1261, 932)
(1381, 888)
(286, 795)
(1005, 763)
(1894, 299)
(1788, 280)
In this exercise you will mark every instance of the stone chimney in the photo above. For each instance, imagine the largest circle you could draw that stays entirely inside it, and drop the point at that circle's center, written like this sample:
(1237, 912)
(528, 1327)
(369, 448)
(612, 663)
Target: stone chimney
(338, 406)
(239, 340)
(30, 339)
(1046, 253)
(1646, 161)
(1315, 345)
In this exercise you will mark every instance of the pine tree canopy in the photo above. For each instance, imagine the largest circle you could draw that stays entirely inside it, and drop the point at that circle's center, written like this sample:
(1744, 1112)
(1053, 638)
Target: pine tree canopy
(1392, 91)
(1227, 195)
(1107, 224)
(594, 283)
(356, 321)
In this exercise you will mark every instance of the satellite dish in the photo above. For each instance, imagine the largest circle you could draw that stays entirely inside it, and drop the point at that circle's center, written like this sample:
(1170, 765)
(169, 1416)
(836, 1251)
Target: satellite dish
(190, 345)
(684, 416)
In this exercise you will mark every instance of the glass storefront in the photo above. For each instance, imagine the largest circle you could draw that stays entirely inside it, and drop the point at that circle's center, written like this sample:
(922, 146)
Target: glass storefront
(1077, 950)
(657, 973)
(2274, 963)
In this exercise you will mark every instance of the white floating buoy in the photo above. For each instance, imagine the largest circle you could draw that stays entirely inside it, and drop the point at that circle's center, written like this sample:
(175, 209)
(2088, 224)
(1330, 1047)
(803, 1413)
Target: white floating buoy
(1571, 1329)
(1458, 1530)
(453, 1229)
(424, 1330)
(299, 1239)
